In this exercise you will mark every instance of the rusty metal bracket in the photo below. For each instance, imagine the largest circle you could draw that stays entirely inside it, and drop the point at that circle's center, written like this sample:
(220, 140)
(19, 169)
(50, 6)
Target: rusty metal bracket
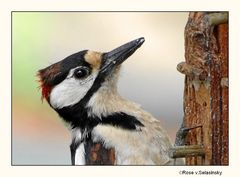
(181, 150)
(182, 134)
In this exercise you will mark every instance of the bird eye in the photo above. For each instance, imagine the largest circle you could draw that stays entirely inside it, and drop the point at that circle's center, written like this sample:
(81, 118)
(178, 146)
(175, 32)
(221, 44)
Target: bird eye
(81, 73)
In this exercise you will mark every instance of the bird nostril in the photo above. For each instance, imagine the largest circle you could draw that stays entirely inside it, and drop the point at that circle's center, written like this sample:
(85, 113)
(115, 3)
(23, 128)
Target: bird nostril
(113, 61)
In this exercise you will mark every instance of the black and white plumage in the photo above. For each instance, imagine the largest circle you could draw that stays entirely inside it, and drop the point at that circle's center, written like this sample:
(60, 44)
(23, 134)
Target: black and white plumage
(82, 89)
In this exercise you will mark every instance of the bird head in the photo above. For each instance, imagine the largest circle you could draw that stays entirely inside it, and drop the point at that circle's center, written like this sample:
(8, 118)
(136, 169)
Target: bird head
(79, 76)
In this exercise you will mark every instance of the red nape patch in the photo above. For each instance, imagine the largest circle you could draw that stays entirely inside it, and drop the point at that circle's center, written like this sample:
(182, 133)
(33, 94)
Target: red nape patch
(46, 90)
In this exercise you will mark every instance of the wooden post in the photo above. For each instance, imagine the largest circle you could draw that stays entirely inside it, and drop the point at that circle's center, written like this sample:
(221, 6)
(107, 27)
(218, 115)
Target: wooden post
(206, 86)
(98, 155)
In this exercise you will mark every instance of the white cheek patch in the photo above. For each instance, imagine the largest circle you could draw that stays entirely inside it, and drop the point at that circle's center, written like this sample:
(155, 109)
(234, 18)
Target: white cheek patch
(71, 90)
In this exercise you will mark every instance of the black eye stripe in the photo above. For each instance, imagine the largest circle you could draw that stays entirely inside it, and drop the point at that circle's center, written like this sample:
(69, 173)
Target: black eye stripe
(58, 72)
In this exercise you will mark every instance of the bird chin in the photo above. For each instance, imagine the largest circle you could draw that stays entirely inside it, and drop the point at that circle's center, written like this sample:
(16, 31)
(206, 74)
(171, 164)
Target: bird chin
(115, 72)
(112, 78)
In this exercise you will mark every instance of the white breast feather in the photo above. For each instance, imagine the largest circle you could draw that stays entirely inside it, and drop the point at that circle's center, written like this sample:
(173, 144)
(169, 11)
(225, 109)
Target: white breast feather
(80, 155)
(80, 151)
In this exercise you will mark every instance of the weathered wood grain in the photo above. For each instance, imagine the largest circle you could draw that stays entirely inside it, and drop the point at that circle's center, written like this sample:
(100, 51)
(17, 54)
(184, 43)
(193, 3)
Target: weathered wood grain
(206, 97)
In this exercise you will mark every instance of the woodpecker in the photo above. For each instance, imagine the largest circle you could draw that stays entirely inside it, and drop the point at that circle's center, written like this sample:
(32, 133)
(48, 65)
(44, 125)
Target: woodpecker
(82, 89)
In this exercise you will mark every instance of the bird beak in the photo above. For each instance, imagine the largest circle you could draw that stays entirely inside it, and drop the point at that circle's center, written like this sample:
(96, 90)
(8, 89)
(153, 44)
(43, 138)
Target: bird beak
(115, 57)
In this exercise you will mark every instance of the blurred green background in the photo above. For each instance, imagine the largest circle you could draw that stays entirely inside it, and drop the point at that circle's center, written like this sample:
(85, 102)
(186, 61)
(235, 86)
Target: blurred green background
(149, 77)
